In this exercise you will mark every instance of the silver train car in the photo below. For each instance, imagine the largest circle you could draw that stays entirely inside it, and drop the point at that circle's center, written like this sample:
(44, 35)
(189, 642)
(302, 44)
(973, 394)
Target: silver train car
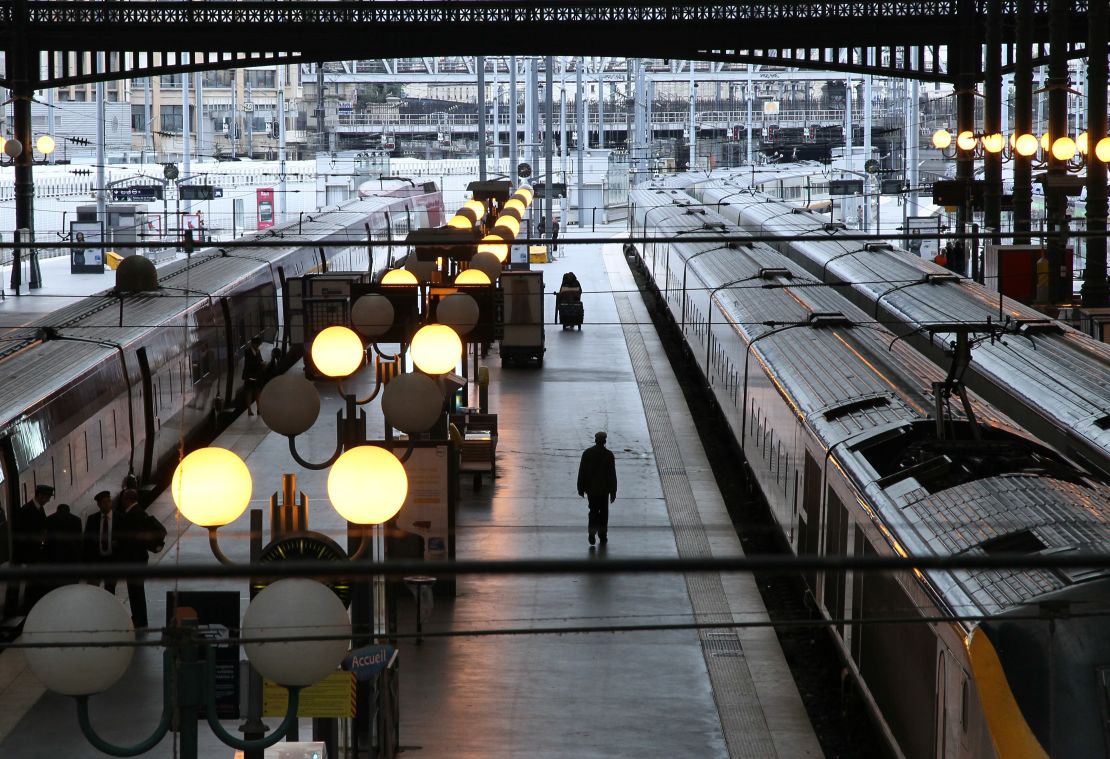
(857, 455)
(1046, 376)
(112, 386)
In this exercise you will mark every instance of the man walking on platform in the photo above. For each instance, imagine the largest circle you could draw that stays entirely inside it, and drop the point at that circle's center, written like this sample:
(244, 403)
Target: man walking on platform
(597, 481)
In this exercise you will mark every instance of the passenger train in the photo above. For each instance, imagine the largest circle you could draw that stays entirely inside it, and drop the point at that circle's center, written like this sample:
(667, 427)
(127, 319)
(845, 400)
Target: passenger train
(1048, 377)
(112, 385)
(856, 442)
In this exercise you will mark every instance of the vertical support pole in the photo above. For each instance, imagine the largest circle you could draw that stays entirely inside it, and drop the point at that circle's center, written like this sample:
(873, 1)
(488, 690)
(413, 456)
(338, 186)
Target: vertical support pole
(1094, 291)
(186, 138)
(965, 50)
(148, 121)
(281, 143)
(580, 110)
(323, 145)
(198, 87)
(480, 63)
(691, 162)
(992, 124)
(1055, 199)
(532, 115)
(601, 105)
(913, 142)
(50, 124)
(22, 89)
(248, 120)
(253, 728)
(514, 157)
(495, 90)
(101, 157)
(1023, 120)
(563, 120)
(549, 169)
(750, 95)
(869, 182)
(849, 132)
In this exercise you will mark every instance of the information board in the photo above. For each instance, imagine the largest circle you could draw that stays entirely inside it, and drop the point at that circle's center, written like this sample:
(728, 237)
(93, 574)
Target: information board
(334, 696)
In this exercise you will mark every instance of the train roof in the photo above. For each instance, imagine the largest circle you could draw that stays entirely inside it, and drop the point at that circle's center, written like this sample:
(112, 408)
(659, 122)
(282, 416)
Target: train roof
(870, 403)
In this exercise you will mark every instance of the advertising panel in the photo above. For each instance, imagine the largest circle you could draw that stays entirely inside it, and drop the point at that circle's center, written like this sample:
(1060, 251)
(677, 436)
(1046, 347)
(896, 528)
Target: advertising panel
(86, 260)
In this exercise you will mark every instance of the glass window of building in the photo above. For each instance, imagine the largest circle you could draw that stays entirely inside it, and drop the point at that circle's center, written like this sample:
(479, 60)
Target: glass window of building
(263, 78)
(169, 118)
(138, 118)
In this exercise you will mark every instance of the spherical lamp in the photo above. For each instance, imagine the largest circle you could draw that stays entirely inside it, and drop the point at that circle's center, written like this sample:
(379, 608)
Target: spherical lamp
(79, 614)
(1063, 148)
(459, 221)
(422, 270)
(337, 352)
(294, 608)
(436, 349)
(941, 139)
(211, 487)
(472, 277)
(1082, 143)
(1026, 145)
(965, 140)
(487, 263)
(45, 143)
(289, 404)
(458, 311)
(367, 485)
(1045, 143)
(13, 148)
(513, 207)
(993, 143)
(495, 245)
(508, 223)
(477, 207)
(412, 403)
(524, 192)
(372, 315)
(1102, 150)
(399, 277)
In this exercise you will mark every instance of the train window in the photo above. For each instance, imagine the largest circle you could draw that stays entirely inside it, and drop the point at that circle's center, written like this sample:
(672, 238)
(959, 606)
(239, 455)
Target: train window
(963, 705)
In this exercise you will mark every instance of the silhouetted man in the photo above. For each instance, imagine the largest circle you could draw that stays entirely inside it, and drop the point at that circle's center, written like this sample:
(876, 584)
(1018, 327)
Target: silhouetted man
(597, 481)
(30, 539)
(102, 535)
(63, 538)
(133, 540)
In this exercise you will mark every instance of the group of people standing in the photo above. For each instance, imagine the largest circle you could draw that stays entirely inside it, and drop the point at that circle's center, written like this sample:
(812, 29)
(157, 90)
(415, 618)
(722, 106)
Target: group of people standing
(118, 532)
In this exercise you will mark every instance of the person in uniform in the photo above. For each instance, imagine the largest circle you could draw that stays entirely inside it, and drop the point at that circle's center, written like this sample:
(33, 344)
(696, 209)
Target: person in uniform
(132, 549)
(30, 539)
(63, 539)
(254, 372)
(101, 536)
(597, 481)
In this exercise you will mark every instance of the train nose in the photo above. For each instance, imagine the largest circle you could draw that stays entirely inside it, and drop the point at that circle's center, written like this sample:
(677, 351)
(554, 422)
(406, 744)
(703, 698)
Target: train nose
(1042, 673)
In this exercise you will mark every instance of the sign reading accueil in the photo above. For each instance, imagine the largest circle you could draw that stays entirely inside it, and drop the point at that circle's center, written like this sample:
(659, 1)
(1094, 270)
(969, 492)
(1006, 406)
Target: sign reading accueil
(366, 662)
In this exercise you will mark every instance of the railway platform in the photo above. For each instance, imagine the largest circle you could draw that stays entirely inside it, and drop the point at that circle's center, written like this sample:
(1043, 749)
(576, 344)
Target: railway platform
(494, 675)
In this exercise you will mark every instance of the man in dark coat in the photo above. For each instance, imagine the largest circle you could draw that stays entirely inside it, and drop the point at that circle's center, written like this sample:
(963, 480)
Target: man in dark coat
(30, 539)
(132, 548)
(597, 481)
(102, 535)
(63, 538)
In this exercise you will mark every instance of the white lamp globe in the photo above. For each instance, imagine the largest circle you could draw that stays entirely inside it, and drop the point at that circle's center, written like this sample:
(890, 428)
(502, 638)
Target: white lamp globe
(993, 143)
(289, 404)
(965, 140)
(508, 223)
(211, 487)
(488, 263)
(293, 608)
(412, 403)
(372, 315)
(13, 147)
(337, 352)
(495, 245)
(45, 143)
(367, 485)
(72, 614)
(399, 277)
(436, 349)
(942, 138)
(459, 311)
(422, 270)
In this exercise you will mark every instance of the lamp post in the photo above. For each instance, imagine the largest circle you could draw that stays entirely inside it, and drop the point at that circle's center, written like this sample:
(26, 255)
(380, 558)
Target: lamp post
(63, 660)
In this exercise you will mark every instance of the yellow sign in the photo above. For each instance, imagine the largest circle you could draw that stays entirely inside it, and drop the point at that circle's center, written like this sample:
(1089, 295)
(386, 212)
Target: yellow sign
(334, 696)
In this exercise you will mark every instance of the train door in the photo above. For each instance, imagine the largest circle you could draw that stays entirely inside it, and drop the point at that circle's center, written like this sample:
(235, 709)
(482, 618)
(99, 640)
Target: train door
(950, 716)
(809, 529)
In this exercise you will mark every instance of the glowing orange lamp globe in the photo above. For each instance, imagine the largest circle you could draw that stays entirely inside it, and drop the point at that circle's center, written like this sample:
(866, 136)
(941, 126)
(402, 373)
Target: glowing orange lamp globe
(436, 349)
(337, 352)
(211, 487)
(367, 485)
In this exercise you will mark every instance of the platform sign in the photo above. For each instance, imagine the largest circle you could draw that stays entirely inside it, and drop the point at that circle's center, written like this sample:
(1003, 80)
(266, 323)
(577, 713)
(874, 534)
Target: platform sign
(365, 663)
(216, 616)
(138, 193)
(334, 696)
(86, 260)
(265, 198)
(200, 192)
(926, 236)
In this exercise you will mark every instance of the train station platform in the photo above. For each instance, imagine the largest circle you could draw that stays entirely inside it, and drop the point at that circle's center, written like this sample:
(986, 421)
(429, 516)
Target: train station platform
(498, 678)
